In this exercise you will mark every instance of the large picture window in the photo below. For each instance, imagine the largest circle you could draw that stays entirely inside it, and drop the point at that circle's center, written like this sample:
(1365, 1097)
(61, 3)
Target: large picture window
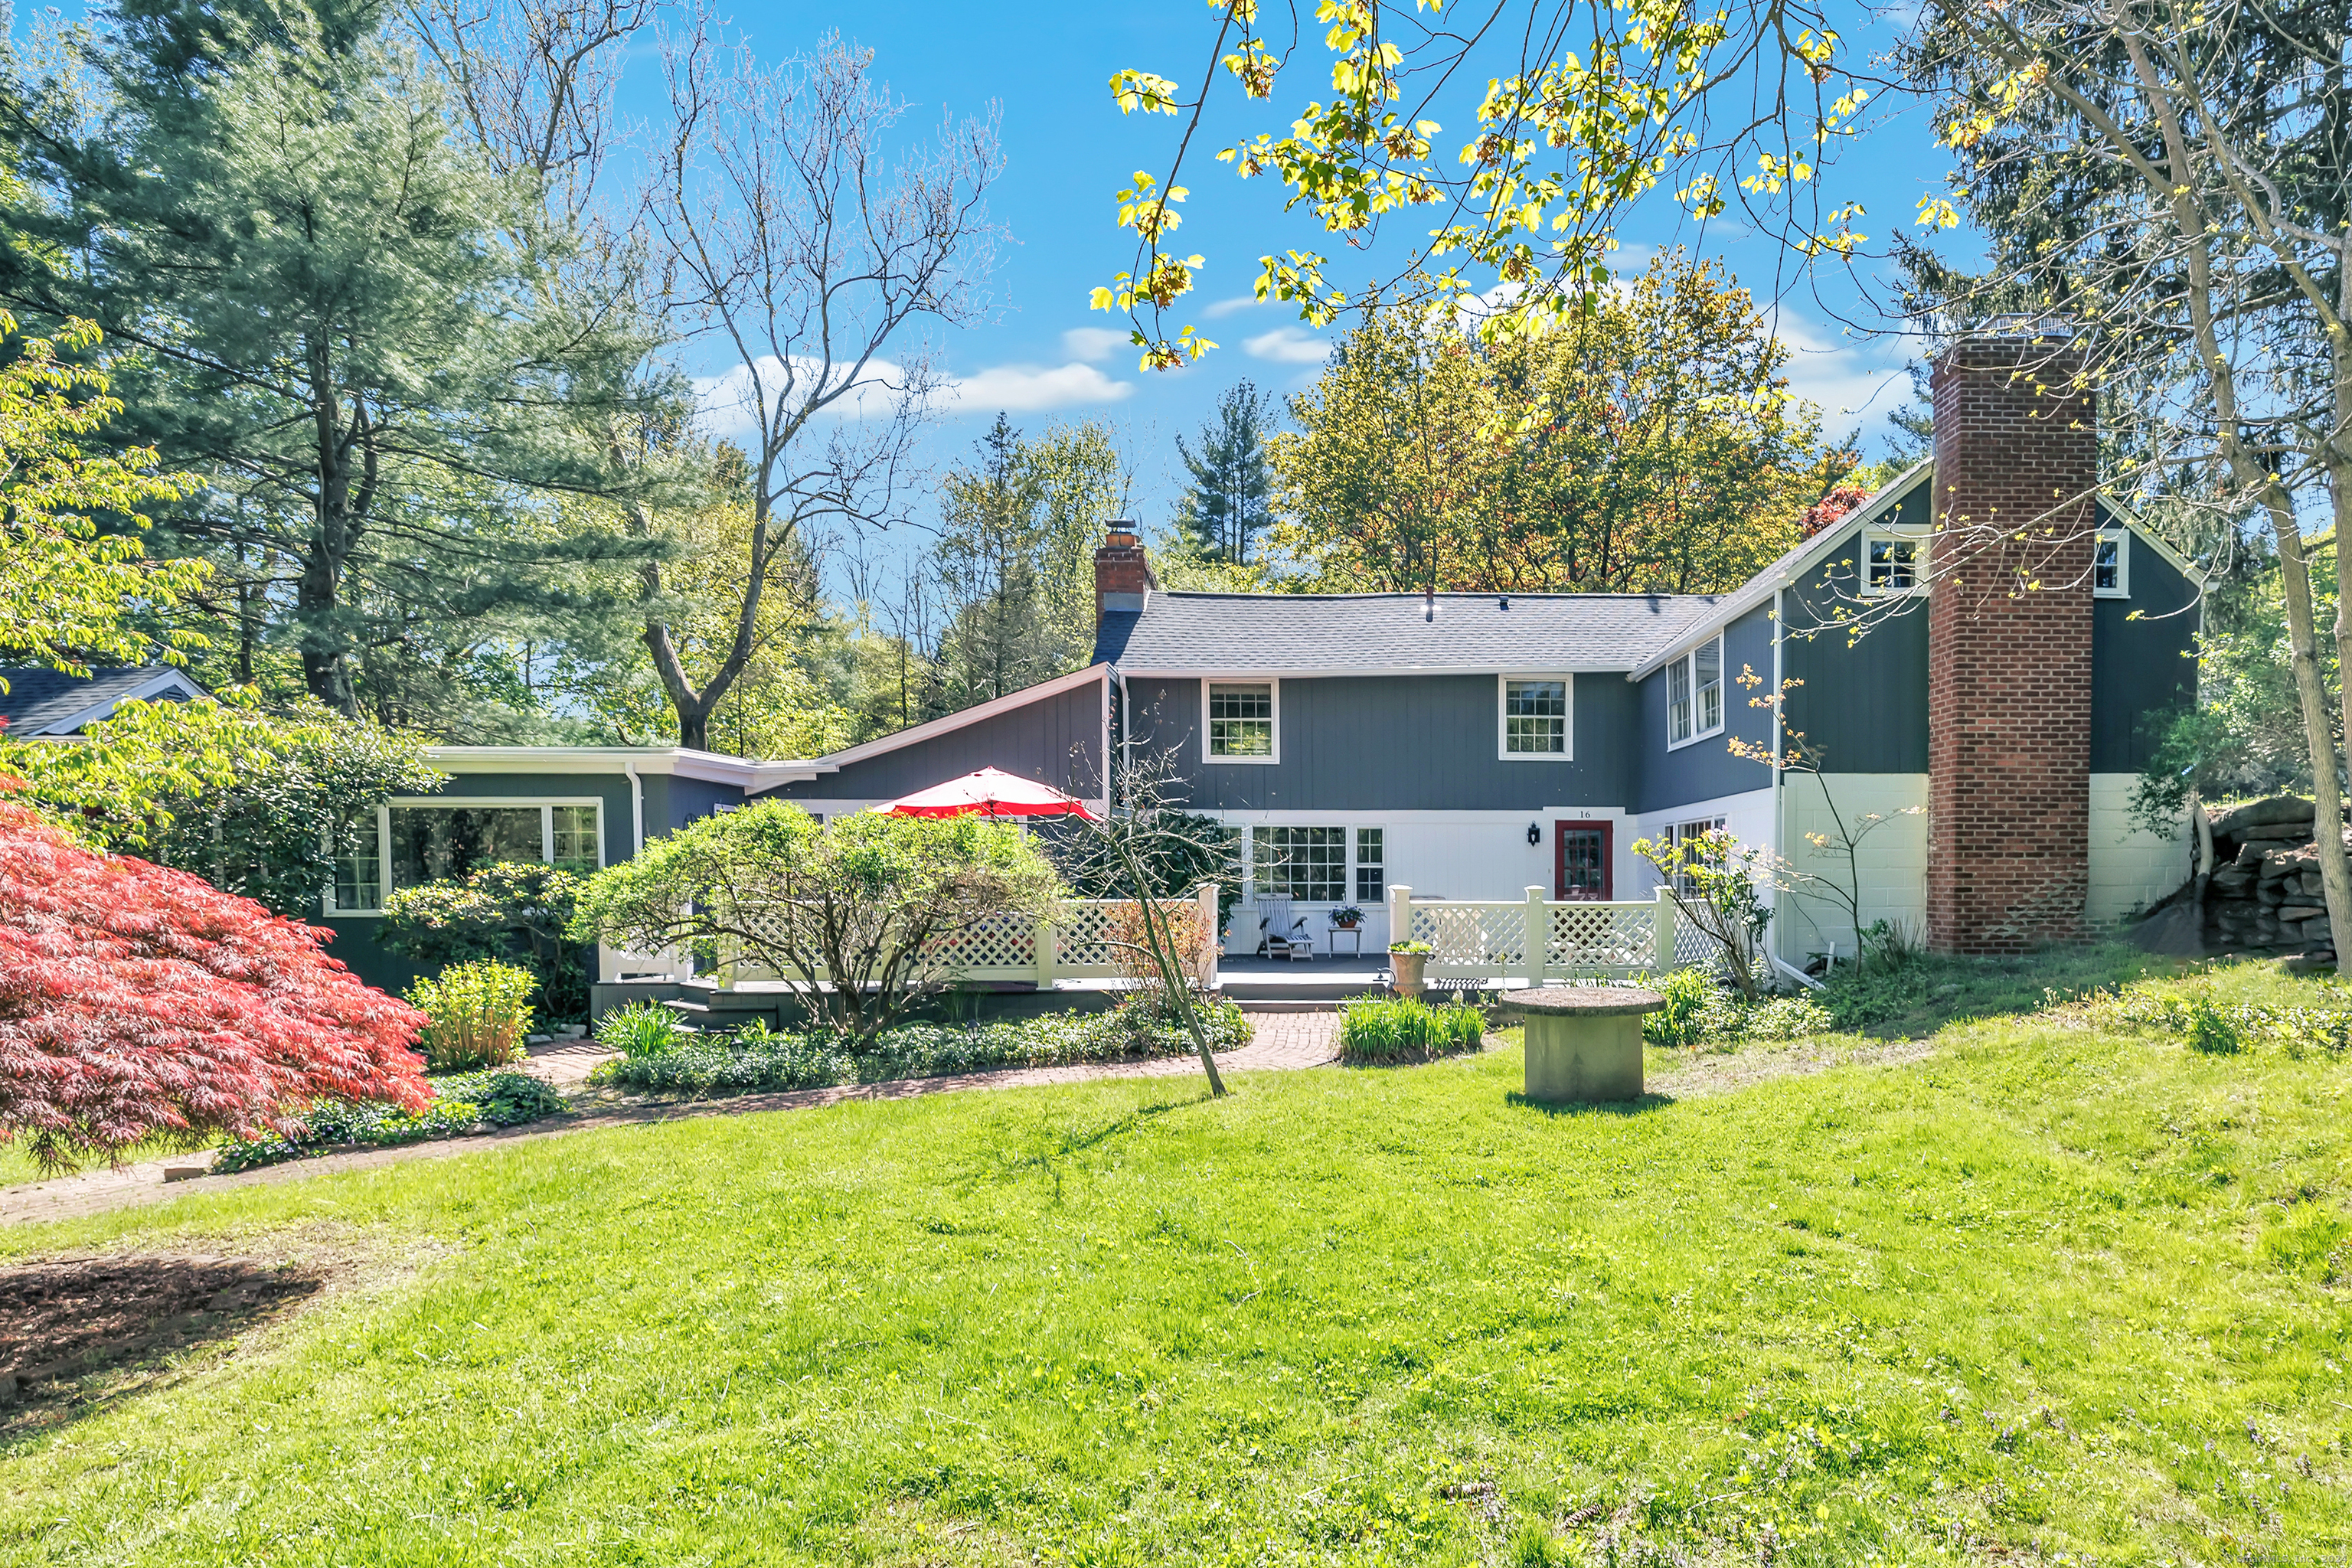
(1694, 694)
(1241, 720)
(1308, 864)
(1535, 716)
(408, 845)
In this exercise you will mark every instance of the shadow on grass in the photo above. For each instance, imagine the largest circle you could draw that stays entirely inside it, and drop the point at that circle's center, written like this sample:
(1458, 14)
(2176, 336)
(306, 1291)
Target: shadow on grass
(1060, 1144)
(1617, 1108)
(78, 1334)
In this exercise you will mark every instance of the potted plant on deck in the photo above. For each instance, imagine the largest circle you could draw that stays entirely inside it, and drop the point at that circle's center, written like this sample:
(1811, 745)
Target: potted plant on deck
(1347, 917)
(1405, 961)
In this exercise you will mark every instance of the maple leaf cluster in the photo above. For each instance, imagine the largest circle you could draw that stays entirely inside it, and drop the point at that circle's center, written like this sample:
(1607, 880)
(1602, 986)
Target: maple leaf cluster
(138, 1002)
(1842, 499)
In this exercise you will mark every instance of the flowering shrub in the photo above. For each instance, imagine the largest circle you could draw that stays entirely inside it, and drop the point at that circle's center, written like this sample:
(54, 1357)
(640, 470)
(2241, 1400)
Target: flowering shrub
(138, 1003)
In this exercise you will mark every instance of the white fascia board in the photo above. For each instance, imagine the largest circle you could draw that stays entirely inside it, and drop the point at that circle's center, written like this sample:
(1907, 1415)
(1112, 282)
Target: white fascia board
(161, 683)
(1760, 589)
(948, 725)
(711, 767)
(1327, 672)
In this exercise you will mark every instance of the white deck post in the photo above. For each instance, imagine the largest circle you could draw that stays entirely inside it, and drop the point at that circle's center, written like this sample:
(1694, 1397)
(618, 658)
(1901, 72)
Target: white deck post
(1207, 897)
(1538, 942)
(1663, 962)
(1400, 914)
(1043, 935)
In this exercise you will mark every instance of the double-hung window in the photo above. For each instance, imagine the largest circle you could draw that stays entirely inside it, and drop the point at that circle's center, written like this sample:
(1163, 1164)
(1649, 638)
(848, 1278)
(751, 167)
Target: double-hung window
(407, 845)
(1694, 694)
(1371, 867)
(1890, 562)
(1308, 864)
(2111, 565)
(1241, 720)
(1535, 716)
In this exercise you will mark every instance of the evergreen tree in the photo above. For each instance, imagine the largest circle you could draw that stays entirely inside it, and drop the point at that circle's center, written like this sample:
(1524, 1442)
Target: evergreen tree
(1231, 497)
(339, 314)
(989, 570)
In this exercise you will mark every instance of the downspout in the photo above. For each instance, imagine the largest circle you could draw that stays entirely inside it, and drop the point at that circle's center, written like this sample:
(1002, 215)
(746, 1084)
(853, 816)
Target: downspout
(636, 808)
(1780, 777)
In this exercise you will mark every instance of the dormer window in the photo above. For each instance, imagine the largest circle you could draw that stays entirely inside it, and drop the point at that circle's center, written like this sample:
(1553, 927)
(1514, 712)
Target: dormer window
(1890, 562)
(2111, 565)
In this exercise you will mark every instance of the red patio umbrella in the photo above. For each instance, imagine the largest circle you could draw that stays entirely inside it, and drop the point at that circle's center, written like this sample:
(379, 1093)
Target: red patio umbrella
(990, 792)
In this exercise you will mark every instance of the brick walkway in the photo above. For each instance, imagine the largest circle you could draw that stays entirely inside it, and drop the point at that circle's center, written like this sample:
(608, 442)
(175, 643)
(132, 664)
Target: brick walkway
(1279, 1042)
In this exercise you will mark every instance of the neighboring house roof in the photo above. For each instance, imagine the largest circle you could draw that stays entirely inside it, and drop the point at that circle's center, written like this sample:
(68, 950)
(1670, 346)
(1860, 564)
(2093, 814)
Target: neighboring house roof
(47, 702)
(681, 761)
(1393, 634)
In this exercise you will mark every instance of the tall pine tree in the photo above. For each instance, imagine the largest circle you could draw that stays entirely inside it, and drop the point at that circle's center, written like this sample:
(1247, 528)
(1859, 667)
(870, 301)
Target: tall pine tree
(340, 314)
(1230, 499)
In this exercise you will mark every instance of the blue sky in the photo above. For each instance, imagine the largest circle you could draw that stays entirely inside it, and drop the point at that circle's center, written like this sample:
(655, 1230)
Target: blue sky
(1042, 356)
(1045, 356)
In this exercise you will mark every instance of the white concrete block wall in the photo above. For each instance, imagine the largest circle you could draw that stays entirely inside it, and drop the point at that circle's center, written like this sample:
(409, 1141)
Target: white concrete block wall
(1893, 875)
(2130, 867)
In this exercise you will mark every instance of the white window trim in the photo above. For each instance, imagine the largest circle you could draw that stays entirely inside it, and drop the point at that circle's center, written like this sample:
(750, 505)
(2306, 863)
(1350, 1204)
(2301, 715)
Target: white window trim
(1688, 659)
(1502, 717)
(2122, 590)
(546, 803)
(1273, 688)
(1915, 537)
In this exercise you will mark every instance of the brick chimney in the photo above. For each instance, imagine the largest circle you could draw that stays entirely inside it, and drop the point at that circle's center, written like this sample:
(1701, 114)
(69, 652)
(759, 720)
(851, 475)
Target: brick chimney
(2009, 667)
(1122, 575)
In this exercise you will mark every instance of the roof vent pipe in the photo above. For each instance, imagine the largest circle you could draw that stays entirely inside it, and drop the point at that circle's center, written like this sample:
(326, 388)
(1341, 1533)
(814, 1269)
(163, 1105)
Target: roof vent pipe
(1429, 603)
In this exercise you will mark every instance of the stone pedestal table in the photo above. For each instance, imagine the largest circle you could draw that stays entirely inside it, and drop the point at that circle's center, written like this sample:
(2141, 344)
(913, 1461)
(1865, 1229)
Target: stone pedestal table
(1584, 1042)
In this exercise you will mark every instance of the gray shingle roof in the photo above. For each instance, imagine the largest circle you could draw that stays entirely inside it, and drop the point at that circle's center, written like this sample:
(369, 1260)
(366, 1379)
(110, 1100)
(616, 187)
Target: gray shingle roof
(39, 699)
(1304, 633)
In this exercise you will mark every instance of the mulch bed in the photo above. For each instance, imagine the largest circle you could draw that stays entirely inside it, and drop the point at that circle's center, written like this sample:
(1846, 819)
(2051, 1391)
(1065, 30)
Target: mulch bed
(65, 1321)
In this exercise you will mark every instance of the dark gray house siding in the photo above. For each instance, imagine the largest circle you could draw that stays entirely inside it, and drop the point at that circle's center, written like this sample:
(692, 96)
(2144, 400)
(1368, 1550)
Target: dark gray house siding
(1706, 770)
(1862, 708)
(672, 802)
(2143, 662)
(1424, 742)
(355, 942)
(1056, 740)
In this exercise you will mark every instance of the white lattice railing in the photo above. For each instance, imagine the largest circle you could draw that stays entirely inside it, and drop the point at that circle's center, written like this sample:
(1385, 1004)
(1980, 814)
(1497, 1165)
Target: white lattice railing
(1470, 940)
(1072, 942)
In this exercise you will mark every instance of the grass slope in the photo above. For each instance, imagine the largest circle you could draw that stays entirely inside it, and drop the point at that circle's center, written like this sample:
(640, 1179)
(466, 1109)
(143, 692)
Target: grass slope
(2046, 1295)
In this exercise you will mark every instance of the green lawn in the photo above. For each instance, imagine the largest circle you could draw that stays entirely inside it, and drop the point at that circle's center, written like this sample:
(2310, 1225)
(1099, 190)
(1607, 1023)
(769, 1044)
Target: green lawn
(2045, 1295)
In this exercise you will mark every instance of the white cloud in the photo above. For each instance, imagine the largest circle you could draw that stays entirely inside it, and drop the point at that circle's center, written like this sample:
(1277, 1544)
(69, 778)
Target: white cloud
(1223, 308)
(726, 402)
(1093, 344)
(1289, 345)
(1027, 388)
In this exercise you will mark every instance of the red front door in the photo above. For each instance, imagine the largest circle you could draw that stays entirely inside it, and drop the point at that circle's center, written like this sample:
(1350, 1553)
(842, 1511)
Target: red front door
(1580, 860)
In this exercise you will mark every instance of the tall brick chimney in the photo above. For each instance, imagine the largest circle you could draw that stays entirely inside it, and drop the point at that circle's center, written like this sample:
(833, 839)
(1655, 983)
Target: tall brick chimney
(2009, 667)
(1122, 575)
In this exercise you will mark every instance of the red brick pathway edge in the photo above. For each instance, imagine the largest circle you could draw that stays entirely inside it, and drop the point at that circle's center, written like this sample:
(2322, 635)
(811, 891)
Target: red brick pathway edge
(1279, 1042)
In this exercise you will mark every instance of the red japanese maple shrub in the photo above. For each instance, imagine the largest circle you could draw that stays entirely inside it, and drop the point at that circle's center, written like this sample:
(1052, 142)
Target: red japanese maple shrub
(1842, 499)
(138, 1003)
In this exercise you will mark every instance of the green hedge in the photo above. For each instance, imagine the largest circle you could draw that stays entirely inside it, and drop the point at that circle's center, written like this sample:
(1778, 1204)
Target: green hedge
(461, 1102)
(759, 1058)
